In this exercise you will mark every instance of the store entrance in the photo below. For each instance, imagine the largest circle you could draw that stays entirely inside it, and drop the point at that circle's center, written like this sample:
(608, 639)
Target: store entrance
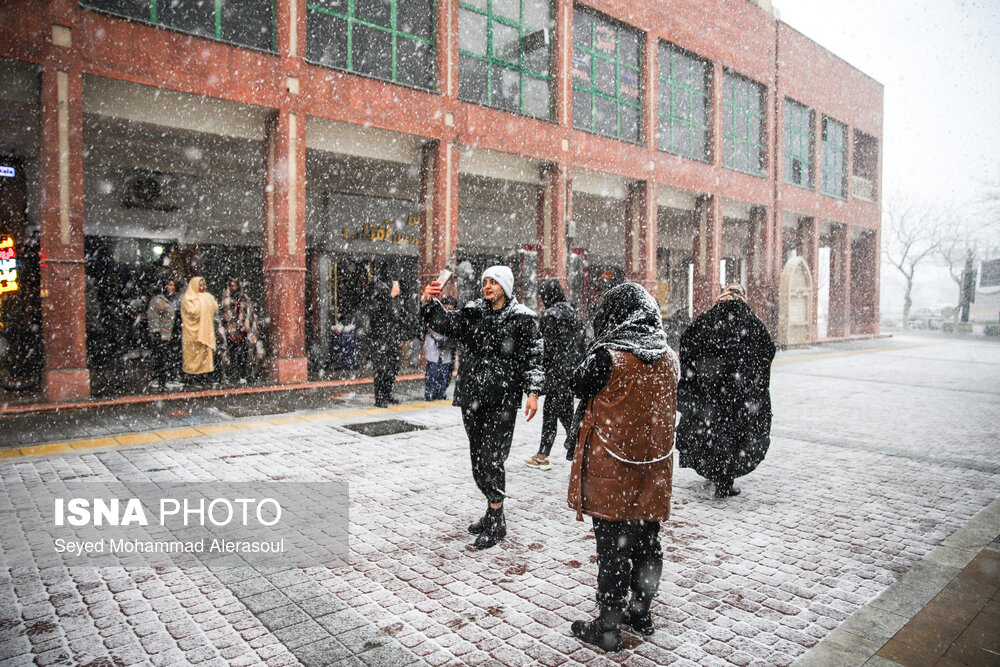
(21, 356)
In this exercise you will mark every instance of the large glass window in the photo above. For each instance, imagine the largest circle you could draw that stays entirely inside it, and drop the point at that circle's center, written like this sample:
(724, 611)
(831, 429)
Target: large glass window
(743, 130)
(505, 55)
(606, 76)
(834, 158)
(798, 144)
(243, 22)
(392, 40)
(685, 84)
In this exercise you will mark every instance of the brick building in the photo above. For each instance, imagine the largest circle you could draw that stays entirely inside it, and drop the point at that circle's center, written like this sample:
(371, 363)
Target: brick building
(310, 147)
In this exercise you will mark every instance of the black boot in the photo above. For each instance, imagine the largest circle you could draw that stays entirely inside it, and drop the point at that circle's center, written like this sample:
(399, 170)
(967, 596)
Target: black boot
(638, 617)
(477, 527)
(494, 528)
(604, 631)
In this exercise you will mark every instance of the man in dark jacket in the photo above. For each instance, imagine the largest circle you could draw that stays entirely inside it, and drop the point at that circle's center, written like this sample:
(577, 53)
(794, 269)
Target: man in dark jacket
(501, 361)
(724, 394)
(562, 331)
(386, 324)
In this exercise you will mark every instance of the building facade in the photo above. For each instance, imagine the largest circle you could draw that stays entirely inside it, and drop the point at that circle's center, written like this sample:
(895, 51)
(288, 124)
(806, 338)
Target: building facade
(313, 147)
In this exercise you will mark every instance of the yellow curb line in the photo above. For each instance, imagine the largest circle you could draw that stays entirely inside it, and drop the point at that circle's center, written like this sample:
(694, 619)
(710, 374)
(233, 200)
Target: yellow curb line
(52, 448)
(93, 443)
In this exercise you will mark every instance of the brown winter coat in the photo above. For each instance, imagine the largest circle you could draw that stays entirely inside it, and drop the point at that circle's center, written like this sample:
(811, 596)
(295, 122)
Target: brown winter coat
(622, 467)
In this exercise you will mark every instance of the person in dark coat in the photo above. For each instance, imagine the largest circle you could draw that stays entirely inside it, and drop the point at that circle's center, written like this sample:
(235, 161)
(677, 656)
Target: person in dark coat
(622, 460)
(161, 319)
(562, 331)
(724, 394)
(387, 323)
(502, 360)
(675, 326)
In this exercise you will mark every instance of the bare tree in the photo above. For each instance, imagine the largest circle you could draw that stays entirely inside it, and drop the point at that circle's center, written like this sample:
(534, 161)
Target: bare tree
(911, 234)
(957, 249)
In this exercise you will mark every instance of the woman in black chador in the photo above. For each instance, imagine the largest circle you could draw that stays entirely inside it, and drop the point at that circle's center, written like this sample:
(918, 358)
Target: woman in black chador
(724, 392)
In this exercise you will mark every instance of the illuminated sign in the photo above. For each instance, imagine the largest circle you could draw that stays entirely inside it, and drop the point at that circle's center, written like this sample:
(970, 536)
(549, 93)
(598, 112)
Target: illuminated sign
(8, 265)
(9, 172)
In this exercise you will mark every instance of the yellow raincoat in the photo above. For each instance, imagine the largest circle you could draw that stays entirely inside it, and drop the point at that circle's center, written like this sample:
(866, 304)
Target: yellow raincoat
(198, 331)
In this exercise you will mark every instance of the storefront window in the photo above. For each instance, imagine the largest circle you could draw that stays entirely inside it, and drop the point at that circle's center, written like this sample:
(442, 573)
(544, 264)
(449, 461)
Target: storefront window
(246, 23)
(390, 40)
(505, 55)
(606, 76)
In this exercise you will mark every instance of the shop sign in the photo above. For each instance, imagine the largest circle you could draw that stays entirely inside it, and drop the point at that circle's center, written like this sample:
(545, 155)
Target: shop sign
(385, 232)
(7, 172)
(8, 265)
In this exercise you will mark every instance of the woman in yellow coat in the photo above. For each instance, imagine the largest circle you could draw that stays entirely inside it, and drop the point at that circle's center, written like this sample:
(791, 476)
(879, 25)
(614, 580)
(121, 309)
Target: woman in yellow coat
(198, 336)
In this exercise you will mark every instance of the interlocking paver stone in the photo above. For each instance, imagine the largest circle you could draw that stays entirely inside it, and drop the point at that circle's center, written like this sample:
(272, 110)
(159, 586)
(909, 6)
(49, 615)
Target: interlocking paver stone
(875, 460)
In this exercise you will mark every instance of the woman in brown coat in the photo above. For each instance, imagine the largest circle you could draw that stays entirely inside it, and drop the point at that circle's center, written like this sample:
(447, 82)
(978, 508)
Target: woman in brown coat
(622, 461)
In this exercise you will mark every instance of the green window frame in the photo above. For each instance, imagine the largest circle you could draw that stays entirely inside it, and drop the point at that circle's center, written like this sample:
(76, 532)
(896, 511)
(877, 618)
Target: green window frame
(505, 55)
(743, 126)
(834, 158)
(684, 103)
(799, 142)
(607, 76)
(247, 23)
(389, 40)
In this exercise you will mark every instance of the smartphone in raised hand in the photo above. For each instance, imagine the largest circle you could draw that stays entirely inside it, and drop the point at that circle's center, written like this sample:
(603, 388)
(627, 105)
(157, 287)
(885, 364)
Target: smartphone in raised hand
(444, 277)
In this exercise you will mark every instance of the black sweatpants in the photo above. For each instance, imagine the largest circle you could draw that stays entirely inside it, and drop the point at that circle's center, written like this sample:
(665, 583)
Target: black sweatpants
(386, 365)
(490, 431)
(557, 407)
(629, 558)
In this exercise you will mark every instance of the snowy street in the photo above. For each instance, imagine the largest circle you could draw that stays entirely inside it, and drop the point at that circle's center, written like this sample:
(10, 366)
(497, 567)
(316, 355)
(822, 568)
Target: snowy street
(880, 451)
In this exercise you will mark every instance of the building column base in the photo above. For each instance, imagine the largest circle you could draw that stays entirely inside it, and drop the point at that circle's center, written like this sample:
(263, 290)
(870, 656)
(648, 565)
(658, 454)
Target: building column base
(66, 384)
(289, 371)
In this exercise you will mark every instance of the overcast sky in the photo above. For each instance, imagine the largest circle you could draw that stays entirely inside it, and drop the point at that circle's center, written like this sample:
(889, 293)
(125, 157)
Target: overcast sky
(940, 65)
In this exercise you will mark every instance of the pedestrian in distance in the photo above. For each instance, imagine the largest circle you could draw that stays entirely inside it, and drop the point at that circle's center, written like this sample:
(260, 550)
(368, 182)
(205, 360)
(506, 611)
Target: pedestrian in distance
(238, 329)
(724, 394)
(439, 352)
(675, 325)
(160, 317)
(387, 322)
(198, 309)
(622, 458)
(502, 361)
(562, 331)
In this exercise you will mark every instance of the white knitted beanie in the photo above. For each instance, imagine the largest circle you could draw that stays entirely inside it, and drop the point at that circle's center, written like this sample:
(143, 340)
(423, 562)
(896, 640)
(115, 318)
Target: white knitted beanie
(503, 276)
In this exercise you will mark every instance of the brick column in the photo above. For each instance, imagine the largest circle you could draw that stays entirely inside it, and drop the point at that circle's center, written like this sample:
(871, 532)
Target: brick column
(864, 283)
(840, 282)
(640, 234)
(446, 64)
(438, 208)
(284, 244)
(761, 285)
(707, 253)
(808, 242)
(562, 63)
(64, 316)
(551, 223)
(650, 86)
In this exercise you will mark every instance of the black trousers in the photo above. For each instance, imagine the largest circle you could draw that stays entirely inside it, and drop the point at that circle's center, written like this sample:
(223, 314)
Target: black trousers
(629, 558)
(557, 407)
(161, 360)
(386, 365)
(490, 431)
(239, 351)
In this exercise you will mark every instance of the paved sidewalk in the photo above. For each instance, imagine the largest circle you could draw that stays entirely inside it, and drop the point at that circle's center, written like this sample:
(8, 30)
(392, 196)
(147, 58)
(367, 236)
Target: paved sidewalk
(883, 467)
